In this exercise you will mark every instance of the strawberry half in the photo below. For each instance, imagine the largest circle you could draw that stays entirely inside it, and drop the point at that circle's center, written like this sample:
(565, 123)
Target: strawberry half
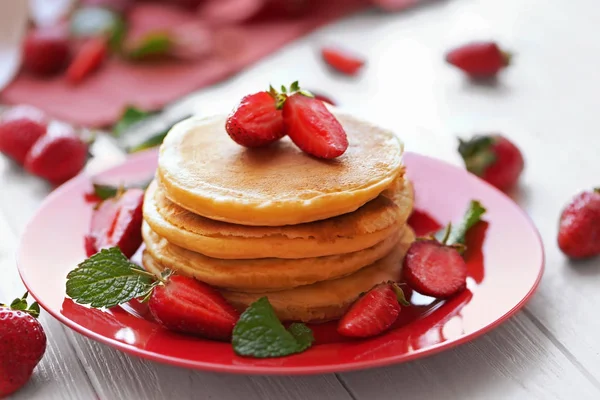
(313, 128)
(372, 313)
(579, 229)
(91, 54)
(20, 128)
(186, 305)
(434, 269)
(342, 61)
(256, 121)
(117, 222)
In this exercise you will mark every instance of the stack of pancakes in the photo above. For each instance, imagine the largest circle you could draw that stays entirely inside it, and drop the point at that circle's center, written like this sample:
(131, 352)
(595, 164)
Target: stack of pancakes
(309, 234)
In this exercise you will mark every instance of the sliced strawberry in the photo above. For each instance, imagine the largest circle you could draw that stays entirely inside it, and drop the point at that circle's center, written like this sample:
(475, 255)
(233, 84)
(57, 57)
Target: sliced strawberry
(91, 54)
(313, 128)
(46, 50)
(342, 61)
(117, 222)
(479, 59)
(256, 121)
(57, 156)
(372, 313)
(20, 127)
(186, 305)
(434, 269)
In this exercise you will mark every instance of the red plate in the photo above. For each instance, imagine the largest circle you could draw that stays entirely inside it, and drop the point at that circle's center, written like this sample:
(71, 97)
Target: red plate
(508, 245)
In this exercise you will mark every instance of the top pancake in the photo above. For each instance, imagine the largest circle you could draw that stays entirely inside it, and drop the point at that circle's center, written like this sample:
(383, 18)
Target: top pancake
(202, 170)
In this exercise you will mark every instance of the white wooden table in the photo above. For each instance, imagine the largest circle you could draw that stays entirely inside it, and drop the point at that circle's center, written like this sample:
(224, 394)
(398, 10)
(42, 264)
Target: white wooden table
(547, 103)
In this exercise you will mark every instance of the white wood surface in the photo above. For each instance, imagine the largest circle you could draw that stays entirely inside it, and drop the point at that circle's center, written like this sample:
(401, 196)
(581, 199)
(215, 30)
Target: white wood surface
(546, 103)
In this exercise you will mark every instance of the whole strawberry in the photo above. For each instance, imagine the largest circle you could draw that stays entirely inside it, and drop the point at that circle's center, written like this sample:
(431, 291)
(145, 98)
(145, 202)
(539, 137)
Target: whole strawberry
(479, 59)
(22, 344)
(57, 156)
(374, 312)
(579, 228)
(493, 158)
(20, 127)
(46, 50)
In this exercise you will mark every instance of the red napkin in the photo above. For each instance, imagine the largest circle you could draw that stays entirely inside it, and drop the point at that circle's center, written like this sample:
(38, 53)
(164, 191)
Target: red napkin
(101, 98)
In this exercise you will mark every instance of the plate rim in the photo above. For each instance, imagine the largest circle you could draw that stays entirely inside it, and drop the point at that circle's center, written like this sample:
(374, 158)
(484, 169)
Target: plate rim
(270, 370)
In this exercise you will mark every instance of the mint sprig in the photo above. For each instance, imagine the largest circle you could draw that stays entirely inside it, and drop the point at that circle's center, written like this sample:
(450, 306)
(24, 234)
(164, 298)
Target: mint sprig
(107, 279)
(260, 334)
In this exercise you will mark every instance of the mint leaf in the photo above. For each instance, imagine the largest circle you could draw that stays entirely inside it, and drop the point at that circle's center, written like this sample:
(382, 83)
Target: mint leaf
(107, 279)
(152, 45)
(130, 117)
(258, 333)
(472, 216)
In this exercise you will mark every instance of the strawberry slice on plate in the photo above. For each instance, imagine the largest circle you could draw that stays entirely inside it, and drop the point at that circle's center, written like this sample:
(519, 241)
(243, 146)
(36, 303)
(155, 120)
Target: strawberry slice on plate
(256, 121)
(434, 269)
(313, 128)
(183, 304)
(374, 312)
(117, 222)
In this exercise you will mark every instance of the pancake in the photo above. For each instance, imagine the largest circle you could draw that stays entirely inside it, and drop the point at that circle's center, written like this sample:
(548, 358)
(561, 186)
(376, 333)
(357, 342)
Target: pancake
(264, 274)
(202, 170)
(321, 301)
(346, 233)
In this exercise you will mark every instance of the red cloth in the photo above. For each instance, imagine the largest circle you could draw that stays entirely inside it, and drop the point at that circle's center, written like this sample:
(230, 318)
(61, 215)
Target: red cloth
(101, 98)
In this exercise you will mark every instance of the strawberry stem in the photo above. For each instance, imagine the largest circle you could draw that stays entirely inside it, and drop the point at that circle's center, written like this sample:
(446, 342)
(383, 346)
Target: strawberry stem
(597, 190)
(447, 233)
(400, 295)
(507, 57)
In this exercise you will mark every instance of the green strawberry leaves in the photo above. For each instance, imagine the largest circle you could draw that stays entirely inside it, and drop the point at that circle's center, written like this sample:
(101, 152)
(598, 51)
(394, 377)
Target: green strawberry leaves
(107, 279)
(472, 216)
(106, 191)
(97, 21)
(282, 95)
(22, 305)
(259, 333)
(455, 235)
(477, 153)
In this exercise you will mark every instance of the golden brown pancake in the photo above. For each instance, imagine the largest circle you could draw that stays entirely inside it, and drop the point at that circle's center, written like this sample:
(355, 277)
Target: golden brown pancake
(201, 169)
(264, 274)
(321, 301)
(346, 233)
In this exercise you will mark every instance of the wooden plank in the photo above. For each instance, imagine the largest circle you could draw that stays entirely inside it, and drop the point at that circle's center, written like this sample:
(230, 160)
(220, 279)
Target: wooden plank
(59, 375)
(515, 361)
